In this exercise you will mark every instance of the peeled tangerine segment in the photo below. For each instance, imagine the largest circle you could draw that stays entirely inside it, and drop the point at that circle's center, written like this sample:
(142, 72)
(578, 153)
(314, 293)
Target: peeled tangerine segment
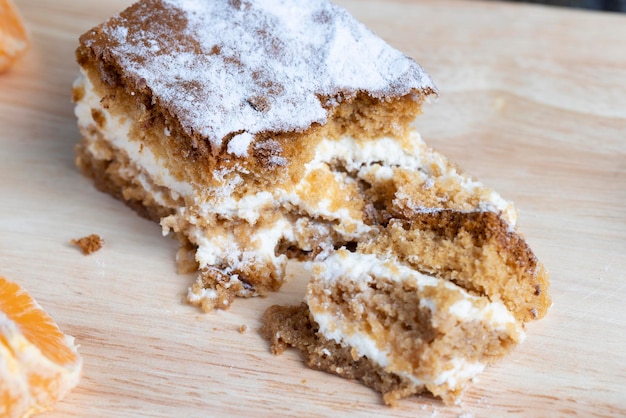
(39, 364)
(13, 36)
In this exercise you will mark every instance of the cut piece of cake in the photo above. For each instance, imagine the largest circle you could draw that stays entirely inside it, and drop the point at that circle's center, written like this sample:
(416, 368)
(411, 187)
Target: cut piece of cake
(406, 322)
(261, 131)
(219, 119)
(401, 332)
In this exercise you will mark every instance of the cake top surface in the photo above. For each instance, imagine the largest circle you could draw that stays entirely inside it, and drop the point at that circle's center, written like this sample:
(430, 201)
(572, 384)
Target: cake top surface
(226, 67)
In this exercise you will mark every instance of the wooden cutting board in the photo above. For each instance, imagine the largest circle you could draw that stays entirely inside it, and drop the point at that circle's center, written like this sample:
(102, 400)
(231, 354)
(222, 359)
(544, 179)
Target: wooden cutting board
(533, 103)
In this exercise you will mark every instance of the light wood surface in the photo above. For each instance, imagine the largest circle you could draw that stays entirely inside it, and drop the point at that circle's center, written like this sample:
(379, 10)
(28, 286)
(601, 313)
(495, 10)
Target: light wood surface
(533, 103)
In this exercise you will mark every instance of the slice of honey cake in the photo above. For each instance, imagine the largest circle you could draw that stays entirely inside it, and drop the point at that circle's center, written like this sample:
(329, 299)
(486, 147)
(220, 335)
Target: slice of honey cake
(424, 306)
(257, 131)
(218, 119)
(441, 289)
(401, 332)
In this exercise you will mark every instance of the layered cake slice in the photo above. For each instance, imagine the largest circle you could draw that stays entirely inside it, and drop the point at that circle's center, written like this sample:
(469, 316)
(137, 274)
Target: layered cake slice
(399, 331)
(261, 131)
(221, 120)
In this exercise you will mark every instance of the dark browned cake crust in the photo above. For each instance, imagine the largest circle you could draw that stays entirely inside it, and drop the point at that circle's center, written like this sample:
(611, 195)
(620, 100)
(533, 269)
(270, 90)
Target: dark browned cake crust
(291, 326)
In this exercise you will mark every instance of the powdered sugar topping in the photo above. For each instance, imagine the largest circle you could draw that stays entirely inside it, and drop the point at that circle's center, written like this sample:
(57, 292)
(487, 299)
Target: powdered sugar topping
(226, 67)
(238, 145)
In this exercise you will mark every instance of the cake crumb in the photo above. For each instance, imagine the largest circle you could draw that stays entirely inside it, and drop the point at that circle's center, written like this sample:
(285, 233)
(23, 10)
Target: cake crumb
(89, 244)
(243, 329)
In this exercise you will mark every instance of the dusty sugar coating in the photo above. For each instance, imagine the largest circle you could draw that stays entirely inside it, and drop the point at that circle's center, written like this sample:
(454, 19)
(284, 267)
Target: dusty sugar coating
(224, 67)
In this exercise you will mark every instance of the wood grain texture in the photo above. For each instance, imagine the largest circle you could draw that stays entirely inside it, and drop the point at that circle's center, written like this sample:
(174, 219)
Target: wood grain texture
(532, 102)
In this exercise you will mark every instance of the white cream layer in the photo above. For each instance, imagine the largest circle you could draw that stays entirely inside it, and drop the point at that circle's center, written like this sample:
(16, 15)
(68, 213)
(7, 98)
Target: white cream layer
(220, 247)
(116, 130)
(355, 155)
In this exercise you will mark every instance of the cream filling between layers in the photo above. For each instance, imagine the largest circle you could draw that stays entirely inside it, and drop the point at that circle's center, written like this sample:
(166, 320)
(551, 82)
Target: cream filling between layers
(116, 131)
(360, 270)
(356, 155)
(215, 247)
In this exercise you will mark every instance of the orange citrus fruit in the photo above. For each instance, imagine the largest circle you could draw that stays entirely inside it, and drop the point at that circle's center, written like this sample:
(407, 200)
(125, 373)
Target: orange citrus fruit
(38, 363)
(13, 35)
